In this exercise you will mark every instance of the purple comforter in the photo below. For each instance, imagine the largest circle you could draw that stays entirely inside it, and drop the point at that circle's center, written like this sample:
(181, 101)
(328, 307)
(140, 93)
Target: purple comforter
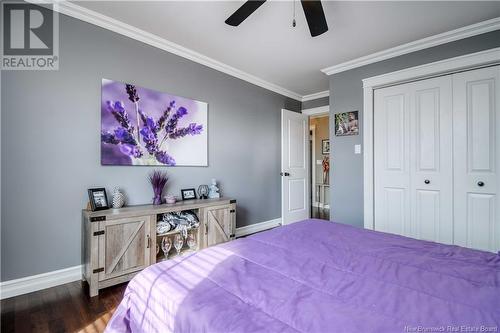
(317, 276)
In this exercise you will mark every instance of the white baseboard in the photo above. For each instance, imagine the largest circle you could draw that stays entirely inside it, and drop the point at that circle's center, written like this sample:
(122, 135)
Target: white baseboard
(320, 205)
(253, 228)
(37, 282)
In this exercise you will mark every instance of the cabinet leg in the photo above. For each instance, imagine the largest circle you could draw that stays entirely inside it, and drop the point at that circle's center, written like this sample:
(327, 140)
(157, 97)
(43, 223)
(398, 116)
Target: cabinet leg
(93, 285)
(93, 290)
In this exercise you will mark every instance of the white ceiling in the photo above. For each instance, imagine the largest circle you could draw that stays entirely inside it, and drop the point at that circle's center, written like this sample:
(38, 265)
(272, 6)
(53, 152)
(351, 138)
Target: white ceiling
(265, 45)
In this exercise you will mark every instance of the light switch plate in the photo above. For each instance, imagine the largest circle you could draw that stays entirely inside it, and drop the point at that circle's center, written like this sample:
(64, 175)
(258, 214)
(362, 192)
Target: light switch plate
(319, 162)
(357, 149)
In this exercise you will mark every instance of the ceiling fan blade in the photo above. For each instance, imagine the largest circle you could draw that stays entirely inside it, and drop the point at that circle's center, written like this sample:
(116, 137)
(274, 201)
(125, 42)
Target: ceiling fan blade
(315, 17)
(243, 12)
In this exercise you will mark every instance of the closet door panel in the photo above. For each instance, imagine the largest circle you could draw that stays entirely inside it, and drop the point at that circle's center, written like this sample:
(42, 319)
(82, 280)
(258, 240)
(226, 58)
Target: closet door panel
(480, 227)
(476, 99)
(431, 160)
(394, 205)
(427, 131)
(428, 214)
(391, 137)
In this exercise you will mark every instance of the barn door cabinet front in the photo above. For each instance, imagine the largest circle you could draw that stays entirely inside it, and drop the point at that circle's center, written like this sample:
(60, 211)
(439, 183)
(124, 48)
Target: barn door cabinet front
(124, 247)
(115, 250)
(219, 224)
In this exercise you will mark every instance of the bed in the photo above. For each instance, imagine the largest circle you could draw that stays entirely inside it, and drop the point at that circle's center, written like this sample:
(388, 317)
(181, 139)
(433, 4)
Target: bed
(317, 276)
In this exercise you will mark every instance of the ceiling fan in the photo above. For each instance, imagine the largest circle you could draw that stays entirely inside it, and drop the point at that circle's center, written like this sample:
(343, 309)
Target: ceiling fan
(312, 9)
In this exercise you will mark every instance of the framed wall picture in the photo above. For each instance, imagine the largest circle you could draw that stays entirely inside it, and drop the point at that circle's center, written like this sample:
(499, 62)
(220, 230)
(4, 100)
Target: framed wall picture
(188, 194)
(98, 199)
(141, 126)
(346, 123)
(325, 147)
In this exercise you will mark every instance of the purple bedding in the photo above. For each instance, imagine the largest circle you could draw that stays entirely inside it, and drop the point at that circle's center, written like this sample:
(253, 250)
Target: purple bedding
(317, 276)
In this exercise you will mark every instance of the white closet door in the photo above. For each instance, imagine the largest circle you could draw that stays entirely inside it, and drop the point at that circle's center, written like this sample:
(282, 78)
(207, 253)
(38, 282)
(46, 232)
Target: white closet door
(431, 160)
(476, 99)
(413, 160)
(392, 156)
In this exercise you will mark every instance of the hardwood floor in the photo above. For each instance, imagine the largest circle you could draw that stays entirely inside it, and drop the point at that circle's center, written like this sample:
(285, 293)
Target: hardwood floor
(65, 308)
(320, 213)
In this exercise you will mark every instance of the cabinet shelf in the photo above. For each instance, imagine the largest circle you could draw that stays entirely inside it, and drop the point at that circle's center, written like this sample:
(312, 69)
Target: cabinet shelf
(173, 232)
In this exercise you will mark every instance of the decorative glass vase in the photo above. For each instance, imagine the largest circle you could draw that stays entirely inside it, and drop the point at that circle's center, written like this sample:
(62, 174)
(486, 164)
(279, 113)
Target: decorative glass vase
(158, 180)
(118, 198)
(157, 200)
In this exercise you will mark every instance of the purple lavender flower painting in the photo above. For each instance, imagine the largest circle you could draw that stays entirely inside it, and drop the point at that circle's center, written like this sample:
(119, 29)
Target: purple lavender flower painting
(140, 126)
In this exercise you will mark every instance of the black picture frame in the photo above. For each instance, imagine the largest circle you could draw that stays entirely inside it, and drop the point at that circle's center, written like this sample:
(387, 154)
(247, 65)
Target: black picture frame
(325, 147)
(98, 199)
(188, 194)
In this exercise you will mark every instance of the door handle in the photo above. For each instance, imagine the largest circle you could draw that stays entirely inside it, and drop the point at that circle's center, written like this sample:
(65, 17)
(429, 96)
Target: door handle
(480, 183)
(427, 181)
(149, 242)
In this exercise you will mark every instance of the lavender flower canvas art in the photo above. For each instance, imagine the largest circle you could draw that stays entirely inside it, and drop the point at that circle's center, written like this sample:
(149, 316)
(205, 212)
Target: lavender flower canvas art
(141, 126)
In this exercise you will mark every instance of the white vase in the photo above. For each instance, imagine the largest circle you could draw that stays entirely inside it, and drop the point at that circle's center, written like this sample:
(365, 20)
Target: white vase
(118, 198)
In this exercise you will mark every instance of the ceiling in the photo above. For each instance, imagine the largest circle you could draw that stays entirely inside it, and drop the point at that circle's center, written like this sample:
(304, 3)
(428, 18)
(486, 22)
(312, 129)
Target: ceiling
(266, 46)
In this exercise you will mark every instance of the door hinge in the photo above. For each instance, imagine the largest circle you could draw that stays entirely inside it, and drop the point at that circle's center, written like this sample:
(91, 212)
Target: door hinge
(97, 218)
(98, 270)
(100, 232)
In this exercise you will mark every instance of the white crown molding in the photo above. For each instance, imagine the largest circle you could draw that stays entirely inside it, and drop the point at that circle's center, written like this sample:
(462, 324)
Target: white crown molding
(442, 67)
(316, 111)
(317, 95)
(106, 22)
(424, 43)
(257, 227)
(37, 282)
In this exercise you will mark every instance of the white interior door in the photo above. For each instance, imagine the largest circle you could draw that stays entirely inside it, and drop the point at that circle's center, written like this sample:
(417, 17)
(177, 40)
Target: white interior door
(295, 168)
(413, 160)
(476, 99)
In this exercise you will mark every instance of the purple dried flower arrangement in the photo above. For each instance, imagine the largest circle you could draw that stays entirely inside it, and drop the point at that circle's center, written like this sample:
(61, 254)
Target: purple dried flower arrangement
(143, 127)
(158, 180)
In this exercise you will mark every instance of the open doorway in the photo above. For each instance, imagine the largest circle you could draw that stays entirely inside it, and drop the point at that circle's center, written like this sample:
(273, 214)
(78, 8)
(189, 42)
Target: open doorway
(319, 146)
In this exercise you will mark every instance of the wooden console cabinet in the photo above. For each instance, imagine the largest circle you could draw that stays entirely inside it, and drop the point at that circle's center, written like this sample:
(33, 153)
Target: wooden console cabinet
(118, 243)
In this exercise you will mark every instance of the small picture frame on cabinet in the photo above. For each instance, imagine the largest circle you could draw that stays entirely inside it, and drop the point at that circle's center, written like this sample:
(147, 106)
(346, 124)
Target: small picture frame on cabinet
(98, 199)
(188, 194)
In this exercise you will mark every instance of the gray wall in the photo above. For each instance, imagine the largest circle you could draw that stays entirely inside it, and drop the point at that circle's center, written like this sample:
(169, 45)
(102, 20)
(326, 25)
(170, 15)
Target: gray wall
(50, 143)
(323, 101)
(346, 94)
